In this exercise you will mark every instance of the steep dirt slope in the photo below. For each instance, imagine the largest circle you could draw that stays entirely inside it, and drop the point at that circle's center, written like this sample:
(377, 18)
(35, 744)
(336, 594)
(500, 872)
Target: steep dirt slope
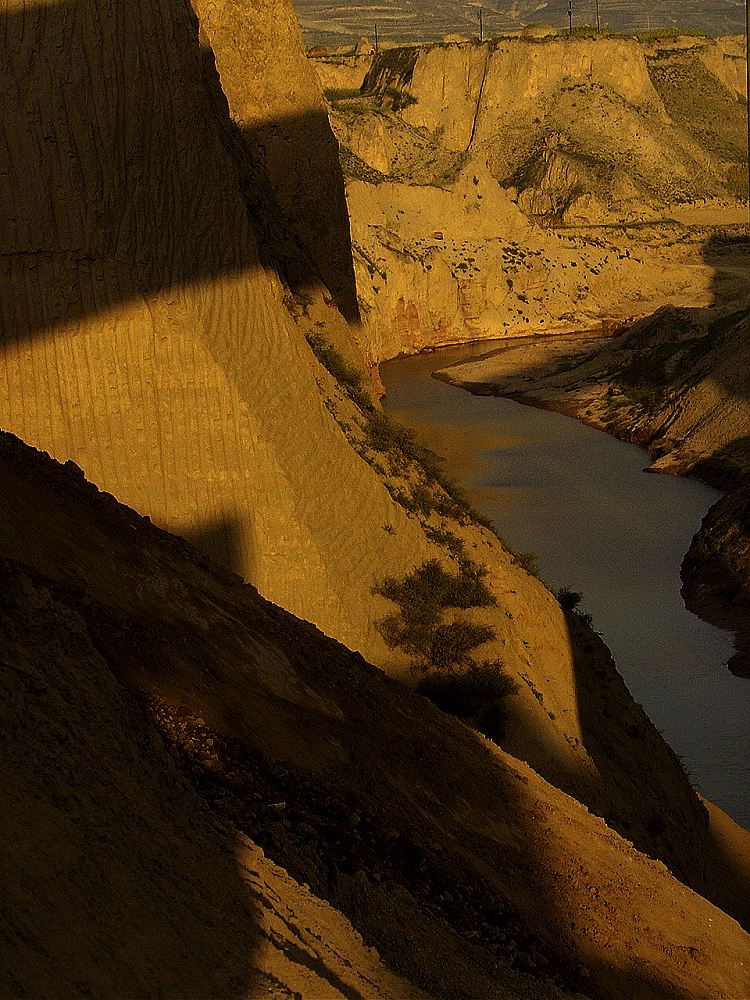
(142, 334)
(455, 860)
(506, 99)
(530, 185)
(144, 338)
(116, 879)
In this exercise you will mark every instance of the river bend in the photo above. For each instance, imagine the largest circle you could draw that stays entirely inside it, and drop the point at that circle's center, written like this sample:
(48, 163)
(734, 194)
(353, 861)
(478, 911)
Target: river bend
(599, 524)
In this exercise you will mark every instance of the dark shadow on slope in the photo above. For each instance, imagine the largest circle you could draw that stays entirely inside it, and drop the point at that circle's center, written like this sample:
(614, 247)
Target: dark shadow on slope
(294, 153)
(716, 569)
(288, 735)
(111, 173)
(225, 542)
(115, 880)
(644, 792)
(290, 177)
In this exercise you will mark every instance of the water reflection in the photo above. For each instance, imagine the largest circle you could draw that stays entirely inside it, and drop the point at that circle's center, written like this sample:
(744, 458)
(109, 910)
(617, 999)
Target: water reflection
(581, 501)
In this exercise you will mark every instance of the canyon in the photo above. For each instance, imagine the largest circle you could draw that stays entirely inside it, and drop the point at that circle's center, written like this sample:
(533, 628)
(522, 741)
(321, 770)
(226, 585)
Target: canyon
(533, 185)
(208, 795)
(547, 185)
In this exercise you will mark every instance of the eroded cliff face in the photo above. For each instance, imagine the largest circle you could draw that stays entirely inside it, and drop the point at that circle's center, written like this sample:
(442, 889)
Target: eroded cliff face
(275, 101)
(181, 721)
(154, 323)
(537, 185)
(503, 98)
(144, 336)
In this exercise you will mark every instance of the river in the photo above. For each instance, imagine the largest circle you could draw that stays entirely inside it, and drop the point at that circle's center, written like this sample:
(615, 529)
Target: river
(599, 524)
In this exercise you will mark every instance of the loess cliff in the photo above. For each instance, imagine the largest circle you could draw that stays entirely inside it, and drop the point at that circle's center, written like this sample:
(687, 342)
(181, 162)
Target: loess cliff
(179, 321)
(537, 184)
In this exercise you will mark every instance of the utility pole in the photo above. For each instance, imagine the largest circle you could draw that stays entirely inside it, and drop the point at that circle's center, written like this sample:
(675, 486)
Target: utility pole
(481, 25)
(570, 17)
(598, 25)
(376, 38)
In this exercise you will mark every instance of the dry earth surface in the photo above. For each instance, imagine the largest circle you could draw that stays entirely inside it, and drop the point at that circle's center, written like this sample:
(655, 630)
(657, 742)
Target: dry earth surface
(172, 738)
(179, 319)
(535, 185)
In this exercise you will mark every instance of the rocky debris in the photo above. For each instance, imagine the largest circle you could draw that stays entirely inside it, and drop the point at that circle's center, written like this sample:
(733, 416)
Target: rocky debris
(321, 836)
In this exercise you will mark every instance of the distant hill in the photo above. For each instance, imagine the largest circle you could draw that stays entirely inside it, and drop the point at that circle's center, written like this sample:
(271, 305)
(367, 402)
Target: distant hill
(339, 23)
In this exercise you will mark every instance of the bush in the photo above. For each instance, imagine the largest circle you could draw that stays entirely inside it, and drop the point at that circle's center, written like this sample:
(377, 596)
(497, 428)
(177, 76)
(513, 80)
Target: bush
(451, 644)
(569, 599)
(421, 596)
(341, 94)
(385, 434)
(467, 588)
(429, 586)
(476, 695)
(348, 378)
(446, 538)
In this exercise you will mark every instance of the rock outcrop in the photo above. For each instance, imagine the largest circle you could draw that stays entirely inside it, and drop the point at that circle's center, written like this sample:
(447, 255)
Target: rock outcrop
(537, 185)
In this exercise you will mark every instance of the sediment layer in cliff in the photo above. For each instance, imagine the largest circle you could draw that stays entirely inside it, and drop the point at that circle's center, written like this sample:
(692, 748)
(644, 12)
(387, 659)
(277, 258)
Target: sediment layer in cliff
(537, 185)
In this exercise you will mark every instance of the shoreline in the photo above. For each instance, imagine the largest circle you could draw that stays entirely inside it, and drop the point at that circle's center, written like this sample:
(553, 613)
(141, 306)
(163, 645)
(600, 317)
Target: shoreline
(730, 613)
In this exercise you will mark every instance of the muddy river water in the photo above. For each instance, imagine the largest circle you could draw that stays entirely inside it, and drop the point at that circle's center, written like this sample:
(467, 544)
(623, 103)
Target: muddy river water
(598, 523)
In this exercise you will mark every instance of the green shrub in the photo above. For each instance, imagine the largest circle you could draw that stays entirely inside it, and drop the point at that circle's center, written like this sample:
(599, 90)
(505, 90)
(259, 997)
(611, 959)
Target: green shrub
(422, 596)
(385, 434)
(569, 599)
(413, 636)
(468, 589)
(399, 99)
(431, 586)
(656, 34)
(451, 644)
(737, 180)
(348, 378)
(423, 500)
(446, 538)
(476, 695)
